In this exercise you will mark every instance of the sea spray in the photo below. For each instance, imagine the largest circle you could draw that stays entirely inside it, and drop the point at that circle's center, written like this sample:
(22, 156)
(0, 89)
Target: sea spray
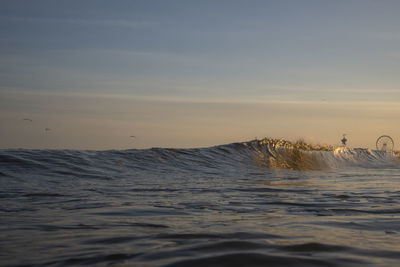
(283, 154)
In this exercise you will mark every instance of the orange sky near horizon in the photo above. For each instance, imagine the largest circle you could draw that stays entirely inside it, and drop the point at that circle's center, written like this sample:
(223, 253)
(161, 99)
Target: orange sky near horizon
(107, 122)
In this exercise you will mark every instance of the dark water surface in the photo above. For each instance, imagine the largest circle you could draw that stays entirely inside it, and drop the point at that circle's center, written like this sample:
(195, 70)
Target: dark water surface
(231, 205)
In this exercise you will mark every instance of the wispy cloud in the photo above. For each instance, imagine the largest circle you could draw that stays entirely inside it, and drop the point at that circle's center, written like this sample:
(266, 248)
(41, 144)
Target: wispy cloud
(94, 22)
(23, 93)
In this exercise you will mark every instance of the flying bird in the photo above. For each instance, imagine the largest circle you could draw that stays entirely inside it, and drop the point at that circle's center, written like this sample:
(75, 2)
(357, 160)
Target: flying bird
(47, 129)
(132, 136)
(27, 119)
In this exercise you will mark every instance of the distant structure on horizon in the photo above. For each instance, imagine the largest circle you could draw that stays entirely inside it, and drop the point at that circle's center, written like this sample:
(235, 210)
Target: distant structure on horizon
(385, 143)
(344, 140)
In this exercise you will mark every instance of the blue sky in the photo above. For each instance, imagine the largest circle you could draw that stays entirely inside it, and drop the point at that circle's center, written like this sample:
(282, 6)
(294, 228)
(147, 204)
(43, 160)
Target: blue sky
(335, 52)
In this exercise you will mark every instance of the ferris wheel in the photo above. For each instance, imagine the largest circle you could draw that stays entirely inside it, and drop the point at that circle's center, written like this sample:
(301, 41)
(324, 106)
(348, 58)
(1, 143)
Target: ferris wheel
(385, 143)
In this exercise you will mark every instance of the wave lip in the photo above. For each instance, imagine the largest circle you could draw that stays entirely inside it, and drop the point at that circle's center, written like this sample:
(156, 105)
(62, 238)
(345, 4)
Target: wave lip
(282, 154)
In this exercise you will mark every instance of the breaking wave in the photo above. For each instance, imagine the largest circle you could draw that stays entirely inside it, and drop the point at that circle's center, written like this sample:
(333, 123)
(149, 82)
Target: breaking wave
(265, 153)
(299, 155)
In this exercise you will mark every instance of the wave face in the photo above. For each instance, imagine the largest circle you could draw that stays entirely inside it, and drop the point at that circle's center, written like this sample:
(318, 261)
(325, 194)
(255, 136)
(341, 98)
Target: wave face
(270, 153)
(258, 203)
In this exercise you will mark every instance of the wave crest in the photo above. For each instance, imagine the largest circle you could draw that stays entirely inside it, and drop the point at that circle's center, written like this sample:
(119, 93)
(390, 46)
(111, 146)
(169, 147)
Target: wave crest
(265, 153)
(283, 154)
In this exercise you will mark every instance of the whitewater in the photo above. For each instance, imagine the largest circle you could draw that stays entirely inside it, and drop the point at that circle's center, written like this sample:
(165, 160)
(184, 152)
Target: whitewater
(258, 203)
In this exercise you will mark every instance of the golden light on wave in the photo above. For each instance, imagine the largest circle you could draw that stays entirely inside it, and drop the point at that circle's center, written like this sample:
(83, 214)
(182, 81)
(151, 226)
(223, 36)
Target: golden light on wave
(301, 156)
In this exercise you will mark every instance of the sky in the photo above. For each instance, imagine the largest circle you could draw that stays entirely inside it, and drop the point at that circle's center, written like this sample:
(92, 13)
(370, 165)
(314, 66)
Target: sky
(197, 73)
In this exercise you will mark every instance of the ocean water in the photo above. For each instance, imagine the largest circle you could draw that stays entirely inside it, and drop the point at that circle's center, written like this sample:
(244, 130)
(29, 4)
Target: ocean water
(258, 203)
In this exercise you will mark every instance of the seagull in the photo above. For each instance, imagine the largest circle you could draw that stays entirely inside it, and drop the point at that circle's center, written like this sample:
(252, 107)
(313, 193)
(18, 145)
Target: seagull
(27, 119)
(132, 136)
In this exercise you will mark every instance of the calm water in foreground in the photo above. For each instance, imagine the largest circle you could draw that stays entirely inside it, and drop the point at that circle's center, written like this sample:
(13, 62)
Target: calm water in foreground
(199, 207)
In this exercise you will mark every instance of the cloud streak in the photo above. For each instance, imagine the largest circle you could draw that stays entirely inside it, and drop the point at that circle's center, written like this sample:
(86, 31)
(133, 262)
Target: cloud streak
(79, 21)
